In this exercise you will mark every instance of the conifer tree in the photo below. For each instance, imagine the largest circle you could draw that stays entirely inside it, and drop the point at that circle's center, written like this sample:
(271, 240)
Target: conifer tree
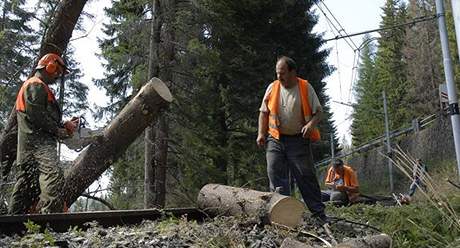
(17, 39)
(363, 113)
(234, 60)
(423, 53)
(389, 76)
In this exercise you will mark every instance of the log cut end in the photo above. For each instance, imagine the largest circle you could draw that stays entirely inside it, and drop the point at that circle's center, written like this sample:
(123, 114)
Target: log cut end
(218, 199)
(286, 211)
(161, 89)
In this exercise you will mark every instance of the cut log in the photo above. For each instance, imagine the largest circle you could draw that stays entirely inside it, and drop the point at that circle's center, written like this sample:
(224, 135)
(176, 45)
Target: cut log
(270, 207)
(116, 138)
(374, 241)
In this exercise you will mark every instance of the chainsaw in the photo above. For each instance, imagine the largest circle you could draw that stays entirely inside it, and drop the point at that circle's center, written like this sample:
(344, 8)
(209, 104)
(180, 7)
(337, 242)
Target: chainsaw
(84, 136)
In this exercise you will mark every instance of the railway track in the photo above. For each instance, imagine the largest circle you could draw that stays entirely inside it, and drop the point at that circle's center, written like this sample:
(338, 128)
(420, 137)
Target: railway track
(61, 222)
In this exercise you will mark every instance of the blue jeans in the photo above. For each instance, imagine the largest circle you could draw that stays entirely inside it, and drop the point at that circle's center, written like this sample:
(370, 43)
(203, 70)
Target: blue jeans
(293, 153)
(414, 184)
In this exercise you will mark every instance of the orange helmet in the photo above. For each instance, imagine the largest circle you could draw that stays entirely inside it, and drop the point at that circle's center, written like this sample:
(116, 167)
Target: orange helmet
(52, 64)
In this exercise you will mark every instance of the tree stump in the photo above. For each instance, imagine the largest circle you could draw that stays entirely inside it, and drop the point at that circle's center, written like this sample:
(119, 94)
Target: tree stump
(270, 207)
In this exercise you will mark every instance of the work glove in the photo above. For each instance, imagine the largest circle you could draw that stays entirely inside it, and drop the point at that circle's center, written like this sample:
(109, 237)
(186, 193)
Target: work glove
(71, 125)
(340, 187)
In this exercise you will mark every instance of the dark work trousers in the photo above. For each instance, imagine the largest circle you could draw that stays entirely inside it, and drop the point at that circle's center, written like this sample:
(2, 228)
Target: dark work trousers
(293, 153)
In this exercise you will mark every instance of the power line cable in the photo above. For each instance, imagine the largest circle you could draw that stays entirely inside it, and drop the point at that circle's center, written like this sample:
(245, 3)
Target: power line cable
(337, 57)
(338, 69)
(333, 25)
(349, 41)
(414, 21)
(338, 23)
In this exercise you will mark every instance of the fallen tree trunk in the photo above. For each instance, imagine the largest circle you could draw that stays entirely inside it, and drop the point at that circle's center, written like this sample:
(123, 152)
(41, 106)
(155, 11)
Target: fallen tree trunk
(56, 40)
(270, 207)
(374, 241)
(116, 138)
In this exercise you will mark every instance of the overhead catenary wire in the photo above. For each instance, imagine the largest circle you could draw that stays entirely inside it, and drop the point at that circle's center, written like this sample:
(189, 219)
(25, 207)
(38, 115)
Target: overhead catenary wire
(414, 21)
(337, 56)
(333, 25)
(338, 23)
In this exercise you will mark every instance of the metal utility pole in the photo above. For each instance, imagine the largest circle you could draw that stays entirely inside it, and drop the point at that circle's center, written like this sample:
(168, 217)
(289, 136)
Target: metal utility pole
(449, 75)
(387, 134)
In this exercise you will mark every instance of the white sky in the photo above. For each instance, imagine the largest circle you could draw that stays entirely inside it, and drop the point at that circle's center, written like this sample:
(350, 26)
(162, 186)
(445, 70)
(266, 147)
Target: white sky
(355, 16)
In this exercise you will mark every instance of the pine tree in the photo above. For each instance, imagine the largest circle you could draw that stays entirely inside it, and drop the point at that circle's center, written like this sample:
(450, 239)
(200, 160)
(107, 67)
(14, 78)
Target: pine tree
(125, 49)
(364, 111)
(16, 42)
(389, 75)
(234, 61)
(423, 53)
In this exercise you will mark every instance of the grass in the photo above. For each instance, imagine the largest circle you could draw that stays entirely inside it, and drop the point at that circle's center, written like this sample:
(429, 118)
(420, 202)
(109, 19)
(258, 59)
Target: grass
(415, 225)
(431, 220)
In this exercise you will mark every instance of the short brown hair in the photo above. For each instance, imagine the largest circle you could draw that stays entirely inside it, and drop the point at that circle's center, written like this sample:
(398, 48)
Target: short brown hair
(291, 64)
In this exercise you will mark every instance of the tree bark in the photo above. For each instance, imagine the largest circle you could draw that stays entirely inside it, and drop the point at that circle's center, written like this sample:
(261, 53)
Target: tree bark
(166, 52)
(270, 207)
(55, 41)
(161, 160)
(117, 136)
(150, 132)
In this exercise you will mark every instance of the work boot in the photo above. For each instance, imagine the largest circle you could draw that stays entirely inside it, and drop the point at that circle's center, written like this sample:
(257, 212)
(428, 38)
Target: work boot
(321, 218)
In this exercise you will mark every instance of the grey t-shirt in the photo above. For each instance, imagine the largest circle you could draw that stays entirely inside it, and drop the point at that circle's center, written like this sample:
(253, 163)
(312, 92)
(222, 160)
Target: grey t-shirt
(290, 109)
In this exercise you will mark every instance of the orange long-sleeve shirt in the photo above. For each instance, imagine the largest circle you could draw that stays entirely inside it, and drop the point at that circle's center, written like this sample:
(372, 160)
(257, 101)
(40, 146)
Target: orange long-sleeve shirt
(349, 180)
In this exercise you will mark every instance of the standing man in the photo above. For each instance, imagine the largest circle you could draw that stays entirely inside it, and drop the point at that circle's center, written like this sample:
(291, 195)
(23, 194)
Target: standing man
(418, 171)
(289, 114)
(40, 178)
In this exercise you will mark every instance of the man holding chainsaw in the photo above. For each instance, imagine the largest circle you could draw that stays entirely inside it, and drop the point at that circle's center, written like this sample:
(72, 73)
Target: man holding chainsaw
(40, 179)
(288, 117)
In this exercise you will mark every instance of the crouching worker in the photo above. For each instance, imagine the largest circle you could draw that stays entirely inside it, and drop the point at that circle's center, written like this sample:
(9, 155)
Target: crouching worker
(343, 184)
(40, 179)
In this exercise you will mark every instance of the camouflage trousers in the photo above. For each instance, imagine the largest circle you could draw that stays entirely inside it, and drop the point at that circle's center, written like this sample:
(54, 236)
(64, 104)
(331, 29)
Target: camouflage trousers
(39, 180)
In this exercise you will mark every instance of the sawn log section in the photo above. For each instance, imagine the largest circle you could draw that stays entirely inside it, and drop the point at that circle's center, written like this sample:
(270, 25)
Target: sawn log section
(271, 207)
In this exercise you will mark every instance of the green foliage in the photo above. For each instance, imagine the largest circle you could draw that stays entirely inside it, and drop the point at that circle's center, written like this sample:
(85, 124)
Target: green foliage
(365, 111)
(124, 49)
(127, 176)
(386, 72)
(416, 225)
(167, 225)
(48, 238)
(16, 40)
(76, 230)
(32, 227)
(231, 68)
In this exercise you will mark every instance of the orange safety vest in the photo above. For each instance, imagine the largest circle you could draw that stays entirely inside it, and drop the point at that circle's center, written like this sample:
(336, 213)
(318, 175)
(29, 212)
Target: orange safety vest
(273, 106)
(21, 102)
(349, 179)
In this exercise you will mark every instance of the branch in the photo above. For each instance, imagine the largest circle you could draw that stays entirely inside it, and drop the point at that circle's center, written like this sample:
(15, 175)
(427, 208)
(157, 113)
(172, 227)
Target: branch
(106, 203)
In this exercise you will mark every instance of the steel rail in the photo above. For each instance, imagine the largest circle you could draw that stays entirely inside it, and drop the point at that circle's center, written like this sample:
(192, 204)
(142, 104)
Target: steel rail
(61, 222)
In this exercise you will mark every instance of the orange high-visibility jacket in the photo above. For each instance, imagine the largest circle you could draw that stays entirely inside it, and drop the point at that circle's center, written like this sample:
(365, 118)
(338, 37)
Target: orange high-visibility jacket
(273, 106)
(21, 102)
(349, 179)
